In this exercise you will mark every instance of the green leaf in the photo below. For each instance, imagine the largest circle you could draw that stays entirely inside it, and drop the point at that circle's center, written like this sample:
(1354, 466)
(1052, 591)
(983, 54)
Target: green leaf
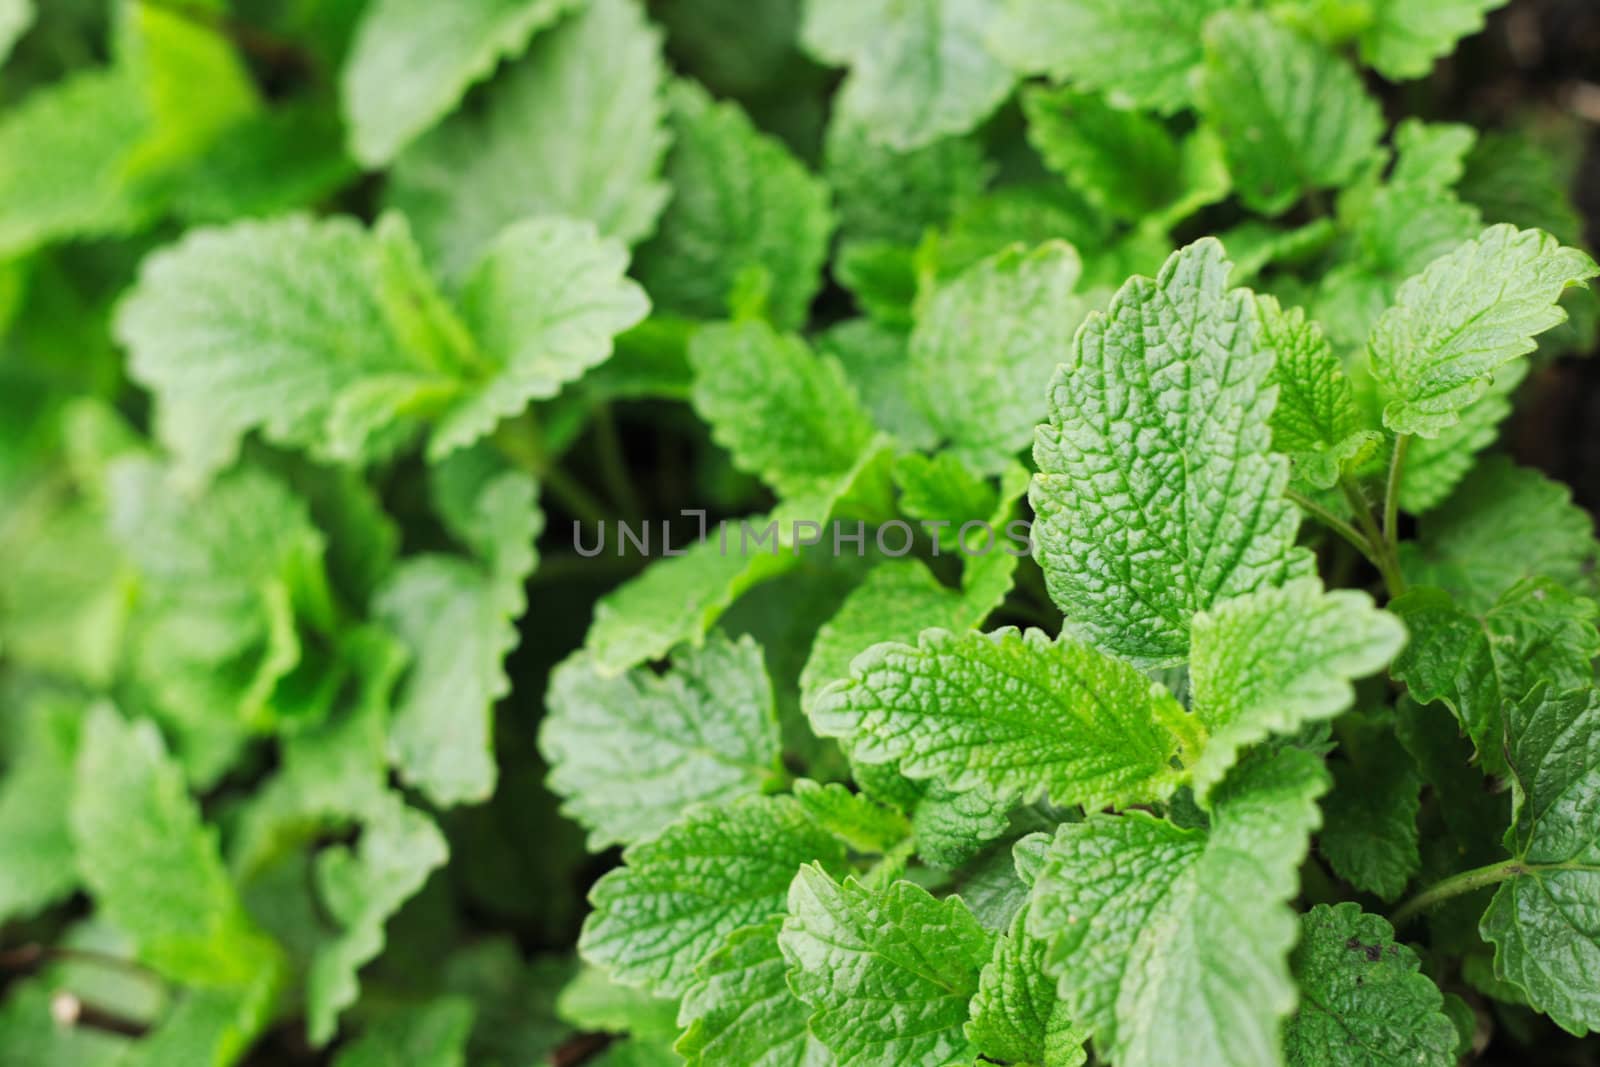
(1124, 162)
(592, 1001)
(888, 973)
(1316, 423)
(1469, 313)
(713, 871)
(1144, 50)
(1015, 1014)
(873, 355)
(918, 68)
(711, 725)
(34, 825)
(585, 102)
(853, 818)
(1172, 944)
(1541, 921)
(1404, 37)
(1292, 115)
(1369, 832)
(1015, 713)
(544, 304)
(1463, 546)
(741, 203)
(783, 412)
(412, 61)
(952, 826)
(1000, 327)
(151, 865)
(739, 1011)
(885, 195)
(362, 886)
(1274, 660)
(1435, 466)
(1363, 1000)
(431, 1035)
(1478, 662)
(1157, 493)
(1515, 179)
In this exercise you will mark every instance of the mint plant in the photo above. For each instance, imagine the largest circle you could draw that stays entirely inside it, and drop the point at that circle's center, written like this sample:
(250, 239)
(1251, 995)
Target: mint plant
(803, 533)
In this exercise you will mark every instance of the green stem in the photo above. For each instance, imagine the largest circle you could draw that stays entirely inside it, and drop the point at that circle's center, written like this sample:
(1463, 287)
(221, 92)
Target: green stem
(1454, 886)
(1391, 495)
(613, 466)
(1382, 557)
(1336, 524)
(520, 441)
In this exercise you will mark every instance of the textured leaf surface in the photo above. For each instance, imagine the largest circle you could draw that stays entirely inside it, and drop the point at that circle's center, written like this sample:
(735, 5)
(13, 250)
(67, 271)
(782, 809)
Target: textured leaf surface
(714, 871)
(631, 751)
(1463, 546)
(885, 195)
(1406, 36)
(151, 864)
(1015, 1014)
(1000, 327)
(1012, 712)
(1363, 1000)
(1469, 313)
(919, 70)
(740, 1013)
(1172, 944)
(412, 60)
(1276, 659)
(1478, 663)
(783, 412)
(854, 952)
(1316, 423)
(741, 203)
(576, 128)
(1157, 493)
(1292, 115)
(1369, 833)
(1141, 49)
(1544, 922)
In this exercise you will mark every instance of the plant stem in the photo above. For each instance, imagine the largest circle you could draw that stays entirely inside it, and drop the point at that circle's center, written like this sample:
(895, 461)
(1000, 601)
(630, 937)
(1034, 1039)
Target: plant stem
(520, 441)
(1336, 524)
(1454, 886)
(1391, 495)
(613, 466)
(1382, 556)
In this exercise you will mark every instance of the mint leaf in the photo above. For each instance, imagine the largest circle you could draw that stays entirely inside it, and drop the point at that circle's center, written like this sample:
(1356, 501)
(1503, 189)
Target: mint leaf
(713, 871)
(1292, 115)
(1015, 1014)
(1144, 50)
(134, 828)
(783, 412)
(1363, 1000)
(1273, 660)
(1481, 662)
(741, 203)
(585, 102)
(882, 194)
(853, 818)
(1540, 921)
(1461, 546)
(1403, 39)
(544, 303)
(918, 71)
(1435, 466)
(1369, 832)
(852, 951)
(1157, 493)
(740, 1013)
(1316, 423)
(34, 825)
(1137, 912)
(362, 887)
(1015, 713)
(412, 61)
(1469, 313)
(1001, 327)
(712, 725)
